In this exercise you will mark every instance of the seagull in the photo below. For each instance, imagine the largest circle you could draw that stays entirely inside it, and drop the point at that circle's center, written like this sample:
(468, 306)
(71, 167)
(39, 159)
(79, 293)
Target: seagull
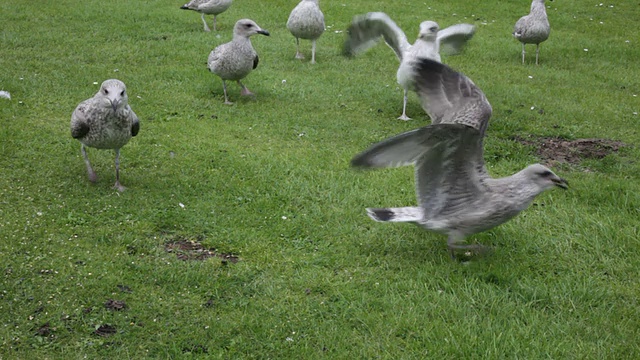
(456, 196)
(215, 7)
(105, 121)
(365, 30)
(306, 21)
(235, 60)
(533, 28)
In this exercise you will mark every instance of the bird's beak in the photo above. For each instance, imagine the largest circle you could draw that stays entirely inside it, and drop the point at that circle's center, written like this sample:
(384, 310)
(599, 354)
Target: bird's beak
(263, 32)
(114, 104)
(560, 182)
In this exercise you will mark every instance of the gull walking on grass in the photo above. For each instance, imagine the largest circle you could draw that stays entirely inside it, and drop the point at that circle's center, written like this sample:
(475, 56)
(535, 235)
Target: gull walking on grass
(365, 30)
(208, 7)
(456, 196)
(105, 121)
(533, 28)
(235, 60)
(306, 21)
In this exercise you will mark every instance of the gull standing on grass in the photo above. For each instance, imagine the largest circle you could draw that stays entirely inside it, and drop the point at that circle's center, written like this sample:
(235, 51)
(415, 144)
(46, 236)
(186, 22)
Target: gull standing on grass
(105, 121)
(456, 196)
(533, 28)
(235, 60)
(205, 7)
(365, 30)
(306, 21)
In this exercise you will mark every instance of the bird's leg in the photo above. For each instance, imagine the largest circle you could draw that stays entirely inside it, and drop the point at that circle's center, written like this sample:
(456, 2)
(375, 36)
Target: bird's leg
(313, 51)
(206, 27)
(298, 53)
(537, 51)
(224, 88)
(215, 22)
(455, 243)
(404, 108)
(92, 175)
(522, 53)
(117, 186)
(244, 91)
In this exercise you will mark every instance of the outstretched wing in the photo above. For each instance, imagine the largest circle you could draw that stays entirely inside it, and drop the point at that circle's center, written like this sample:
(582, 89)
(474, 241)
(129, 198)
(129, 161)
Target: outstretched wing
(135, 122)
(453, 38)
(365, 30)
(450, 176)
(450, 97)
(404, 149)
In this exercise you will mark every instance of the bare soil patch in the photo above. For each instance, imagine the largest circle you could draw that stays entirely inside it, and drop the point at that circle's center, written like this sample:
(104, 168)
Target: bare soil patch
(558, 150)
(192, 250)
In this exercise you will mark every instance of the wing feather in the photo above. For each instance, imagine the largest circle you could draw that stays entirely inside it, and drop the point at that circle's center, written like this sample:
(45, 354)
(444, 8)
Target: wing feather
(365, 31)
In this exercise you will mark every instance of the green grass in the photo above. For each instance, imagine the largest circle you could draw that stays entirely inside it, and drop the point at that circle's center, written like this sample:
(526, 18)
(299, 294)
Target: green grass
(269, 180)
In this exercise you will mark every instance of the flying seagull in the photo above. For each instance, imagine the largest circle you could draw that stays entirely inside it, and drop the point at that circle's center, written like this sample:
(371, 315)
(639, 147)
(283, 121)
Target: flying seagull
(365, 30)
(533, 28)
(306, 21)
(235, 60)
(204, 7)
(105, 121)
(456, 196)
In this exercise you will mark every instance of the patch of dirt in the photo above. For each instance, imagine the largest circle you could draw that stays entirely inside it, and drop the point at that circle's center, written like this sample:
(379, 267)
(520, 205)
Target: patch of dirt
(44, 330)
(116, 305)
(192, 250)
(105, 330)
(558, 150)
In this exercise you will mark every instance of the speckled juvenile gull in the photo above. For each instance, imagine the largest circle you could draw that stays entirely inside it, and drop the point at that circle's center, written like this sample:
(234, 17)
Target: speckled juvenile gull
(214, 7)
(235, 60)
(306, 21)
(365, 30)
(105, 121)
(456, 196)
(533, 28)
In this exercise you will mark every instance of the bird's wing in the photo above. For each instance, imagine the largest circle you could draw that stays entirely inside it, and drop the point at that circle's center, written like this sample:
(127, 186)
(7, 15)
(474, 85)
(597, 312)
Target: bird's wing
(79, 122)
(135, 122)
(450, 176)
(256, 60)
(453, 38)
(365, 30)
(450, 97)
(403, 149)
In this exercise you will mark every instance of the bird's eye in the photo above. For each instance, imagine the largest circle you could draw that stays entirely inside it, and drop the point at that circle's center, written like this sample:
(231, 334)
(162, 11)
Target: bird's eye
(122, 93)
(433, 29)
(545, 173)
(106, 92)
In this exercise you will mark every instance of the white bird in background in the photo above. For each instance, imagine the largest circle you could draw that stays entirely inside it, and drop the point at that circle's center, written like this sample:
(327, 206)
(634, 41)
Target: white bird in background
(533, 28)
(208, 7)
(235, 60)
(456, 196)
(306, 21)
(105, 121)
(365, 30)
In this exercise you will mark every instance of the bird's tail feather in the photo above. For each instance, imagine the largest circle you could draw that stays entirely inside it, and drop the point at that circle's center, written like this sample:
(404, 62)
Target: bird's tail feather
(402, 214)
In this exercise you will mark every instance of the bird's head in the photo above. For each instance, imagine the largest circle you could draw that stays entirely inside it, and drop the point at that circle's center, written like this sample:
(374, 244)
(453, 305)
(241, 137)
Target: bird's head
(114, 93)
(246, 28)
(428, 30)
(544, 178)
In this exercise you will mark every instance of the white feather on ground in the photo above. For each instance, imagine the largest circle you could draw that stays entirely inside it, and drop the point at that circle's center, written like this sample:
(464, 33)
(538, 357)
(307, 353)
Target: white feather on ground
(533, 28)
(306, 21)
(456, 196)
(235, 60)
(366, 30)
(208, 7)
(105, 121)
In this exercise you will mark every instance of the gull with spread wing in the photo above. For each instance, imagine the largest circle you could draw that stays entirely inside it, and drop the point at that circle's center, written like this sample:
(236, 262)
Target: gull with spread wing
(365, 30)
(456, 196)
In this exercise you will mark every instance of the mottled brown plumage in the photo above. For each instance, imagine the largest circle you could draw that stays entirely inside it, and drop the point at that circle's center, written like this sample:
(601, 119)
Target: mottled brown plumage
(533, 28)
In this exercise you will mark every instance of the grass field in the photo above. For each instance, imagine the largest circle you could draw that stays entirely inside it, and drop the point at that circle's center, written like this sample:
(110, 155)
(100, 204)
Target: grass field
(268, 181)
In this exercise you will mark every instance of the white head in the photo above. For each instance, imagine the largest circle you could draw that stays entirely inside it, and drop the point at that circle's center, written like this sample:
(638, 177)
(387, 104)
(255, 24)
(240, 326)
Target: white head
(428, 30)
(246, 28)
(114, 94)
(543, 177)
